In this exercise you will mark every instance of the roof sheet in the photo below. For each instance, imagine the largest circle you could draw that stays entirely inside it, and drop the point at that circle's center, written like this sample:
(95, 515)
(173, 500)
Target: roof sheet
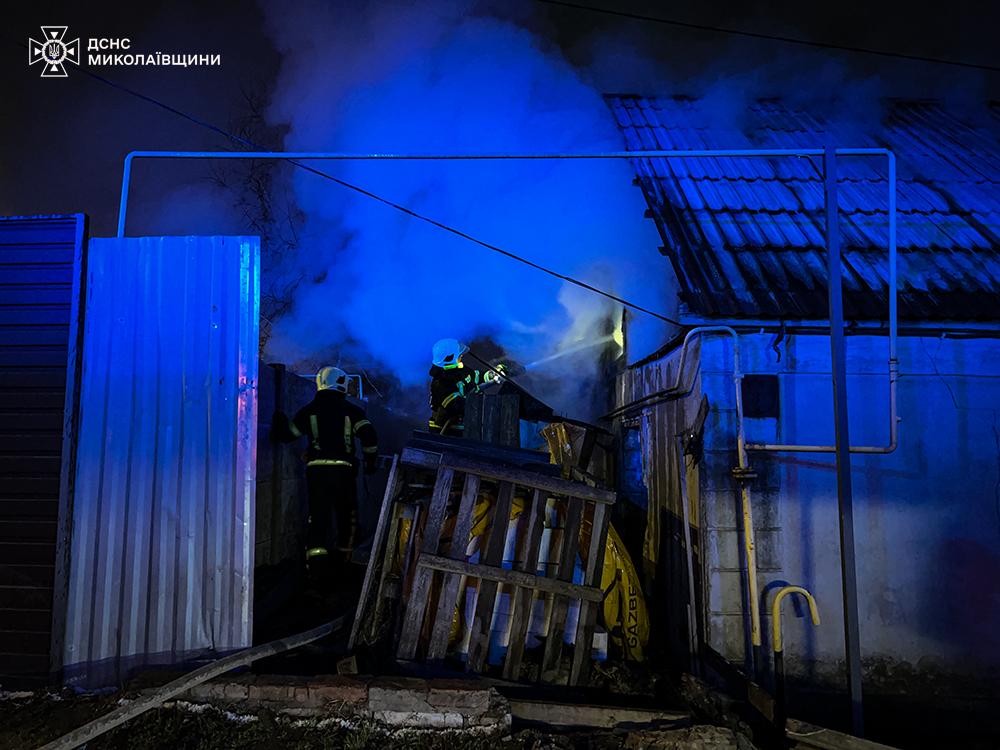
(746, 235)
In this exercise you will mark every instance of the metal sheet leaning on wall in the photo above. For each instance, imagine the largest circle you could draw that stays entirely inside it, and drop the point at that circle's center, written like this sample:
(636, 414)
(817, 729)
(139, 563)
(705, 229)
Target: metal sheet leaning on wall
(163, 527)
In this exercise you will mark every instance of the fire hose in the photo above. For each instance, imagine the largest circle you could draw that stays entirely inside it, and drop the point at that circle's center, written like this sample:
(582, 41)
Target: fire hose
(129, 711)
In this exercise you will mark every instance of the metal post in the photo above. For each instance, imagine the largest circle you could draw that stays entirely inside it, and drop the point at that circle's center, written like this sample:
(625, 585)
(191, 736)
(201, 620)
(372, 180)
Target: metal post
(843, 452)
(276, 547)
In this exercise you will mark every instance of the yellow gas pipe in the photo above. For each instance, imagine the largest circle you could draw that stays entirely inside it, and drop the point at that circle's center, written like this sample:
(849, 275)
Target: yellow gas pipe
(780, 710)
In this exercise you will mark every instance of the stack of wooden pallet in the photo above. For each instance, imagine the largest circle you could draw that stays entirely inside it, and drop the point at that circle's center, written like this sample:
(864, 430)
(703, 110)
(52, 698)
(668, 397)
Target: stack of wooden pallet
(411, 591)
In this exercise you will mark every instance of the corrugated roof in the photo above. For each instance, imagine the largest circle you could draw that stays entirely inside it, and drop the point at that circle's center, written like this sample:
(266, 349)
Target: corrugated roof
(746, 235)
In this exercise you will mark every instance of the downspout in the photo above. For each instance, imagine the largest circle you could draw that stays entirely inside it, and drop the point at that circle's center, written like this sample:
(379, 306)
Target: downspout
(743, 474)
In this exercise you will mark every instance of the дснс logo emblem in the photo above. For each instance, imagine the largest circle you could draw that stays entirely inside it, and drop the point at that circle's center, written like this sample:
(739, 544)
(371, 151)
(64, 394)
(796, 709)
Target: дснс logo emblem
(53, 52)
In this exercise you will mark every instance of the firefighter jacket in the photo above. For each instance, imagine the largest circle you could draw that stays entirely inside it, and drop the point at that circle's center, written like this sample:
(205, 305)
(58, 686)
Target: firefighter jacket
(331, 423)
(448, 391)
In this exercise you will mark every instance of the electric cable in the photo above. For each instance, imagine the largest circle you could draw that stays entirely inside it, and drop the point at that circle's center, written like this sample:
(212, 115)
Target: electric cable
(772, 37)
(392, 204)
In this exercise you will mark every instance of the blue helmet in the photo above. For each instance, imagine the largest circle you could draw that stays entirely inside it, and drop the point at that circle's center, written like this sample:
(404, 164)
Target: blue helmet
(447, 353)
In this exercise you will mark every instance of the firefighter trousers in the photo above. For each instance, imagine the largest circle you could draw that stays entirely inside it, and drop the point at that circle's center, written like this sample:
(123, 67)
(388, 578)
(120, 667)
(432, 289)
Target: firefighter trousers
(333, 495)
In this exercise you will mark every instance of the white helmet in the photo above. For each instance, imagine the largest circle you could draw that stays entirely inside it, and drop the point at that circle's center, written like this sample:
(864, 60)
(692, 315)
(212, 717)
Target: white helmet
(331, 379)
(447, 352)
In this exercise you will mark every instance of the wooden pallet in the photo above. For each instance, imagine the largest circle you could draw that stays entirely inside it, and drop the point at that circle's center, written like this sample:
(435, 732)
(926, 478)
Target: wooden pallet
(431, 578)
(493, 418)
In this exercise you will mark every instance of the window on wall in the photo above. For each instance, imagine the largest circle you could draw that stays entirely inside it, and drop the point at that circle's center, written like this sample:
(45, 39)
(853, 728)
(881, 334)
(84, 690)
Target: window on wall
(760, 396)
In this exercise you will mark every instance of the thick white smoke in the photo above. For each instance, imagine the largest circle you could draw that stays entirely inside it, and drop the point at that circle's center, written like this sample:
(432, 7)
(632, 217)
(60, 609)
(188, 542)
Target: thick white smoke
(379, 287)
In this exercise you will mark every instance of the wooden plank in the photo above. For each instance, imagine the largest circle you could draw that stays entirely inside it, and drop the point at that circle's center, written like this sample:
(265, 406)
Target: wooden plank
(417, 599)
(436, 513)
(580, 669)
(407, 568)
(502, 473)
(378, 542)
(473, 422)
(536, 460)
(512, 577)
(521, 600)
(809, 735)
(491, 418)
(382, 594)
(586, 450)
(510, 422)
(583, 715)
(491, 556)
(438, 645)
(557, 622)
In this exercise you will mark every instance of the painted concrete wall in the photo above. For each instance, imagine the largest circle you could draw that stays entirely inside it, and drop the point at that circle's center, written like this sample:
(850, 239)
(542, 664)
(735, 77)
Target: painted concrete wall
(927, 517)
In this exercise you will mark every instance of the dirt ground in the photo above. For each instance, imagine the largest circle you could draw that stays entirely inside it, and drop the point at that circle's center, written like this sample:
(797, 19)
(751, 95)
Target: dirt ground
(32, 720)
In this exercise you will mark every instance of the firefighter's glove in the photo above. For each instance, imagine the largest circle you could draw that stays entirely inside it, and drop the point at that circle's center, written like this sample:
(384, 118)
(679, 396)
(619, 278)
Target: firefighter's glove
(497, 374)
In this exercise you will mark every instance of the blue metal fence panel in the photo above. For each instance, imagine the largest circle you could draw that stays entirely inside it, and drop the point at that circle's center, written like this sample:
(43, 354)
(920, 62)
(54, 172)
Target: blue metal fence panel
(40, 269)
(162, 547)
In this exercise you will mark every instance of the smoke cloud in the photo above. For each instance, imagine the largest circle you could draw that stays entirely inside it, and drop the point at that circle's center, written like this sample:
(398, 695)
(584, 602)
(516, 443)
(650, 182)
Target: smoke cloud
(379, 287)
(372, 288)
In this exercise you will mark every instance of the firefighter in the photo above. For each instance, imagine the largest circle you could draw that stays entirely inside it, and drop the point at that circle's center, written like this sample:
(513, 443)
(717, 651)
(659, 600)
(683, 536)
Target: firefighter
(451, 382)
(331, 424)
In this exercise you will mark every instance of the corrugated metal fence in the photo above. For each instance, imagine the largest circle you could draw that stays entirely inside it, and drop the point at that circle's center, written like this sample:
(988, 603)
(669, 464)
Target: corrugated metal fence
(40, 262)
(162, 546)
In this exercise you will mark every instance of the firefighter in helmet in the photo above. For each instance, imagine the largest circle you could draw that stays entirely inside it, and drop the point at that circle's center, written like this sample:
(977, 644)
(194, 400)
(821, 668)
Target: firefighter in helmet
(331, 424)
(451, 382)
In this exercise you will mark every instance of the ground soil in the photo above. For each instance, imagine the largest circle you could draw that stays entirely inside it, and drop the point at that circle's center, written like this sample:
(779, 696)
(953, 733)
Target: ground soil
(28, 722)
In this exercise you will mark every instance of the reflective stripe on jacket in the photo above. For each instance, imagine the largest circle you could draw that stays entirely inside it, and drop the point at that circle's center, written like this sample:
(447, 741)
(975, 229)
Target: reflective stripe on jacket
(332, 423)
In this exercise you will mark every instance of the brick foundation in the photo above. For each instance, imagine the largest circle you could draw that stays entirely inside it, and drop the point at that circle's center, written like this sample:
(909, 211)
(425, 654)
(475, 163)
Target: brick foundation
(396, 702)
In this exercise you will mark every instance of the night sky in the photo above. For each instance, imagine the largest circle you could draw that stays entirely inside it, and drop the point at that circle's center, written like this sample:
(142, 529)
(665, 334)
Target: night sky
(347, 280)
(64, 140)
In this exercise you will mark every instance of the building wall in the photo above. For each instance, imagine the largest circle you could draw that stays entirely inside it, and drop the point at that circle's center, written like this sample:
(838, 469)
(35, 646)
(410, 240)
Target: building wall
(927, 517)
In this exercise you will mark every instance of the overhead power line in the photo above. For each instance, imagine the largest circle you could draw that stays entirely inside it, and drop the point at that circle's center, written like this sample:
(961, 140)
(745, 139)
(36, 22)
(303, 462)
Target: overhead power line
(772, 37)
(392, 204)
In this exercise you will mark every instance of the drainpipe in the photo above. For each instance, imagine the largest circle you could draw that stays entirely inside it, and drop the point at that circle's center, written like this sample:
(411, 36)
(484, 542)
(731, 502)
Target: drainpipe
(743, 474)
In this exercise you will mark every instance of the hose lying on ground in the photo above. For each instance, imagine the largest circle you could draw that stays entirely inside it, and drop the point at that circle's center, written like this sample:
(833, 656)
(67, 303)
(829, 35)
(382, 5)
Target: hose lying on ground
(120, 715)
